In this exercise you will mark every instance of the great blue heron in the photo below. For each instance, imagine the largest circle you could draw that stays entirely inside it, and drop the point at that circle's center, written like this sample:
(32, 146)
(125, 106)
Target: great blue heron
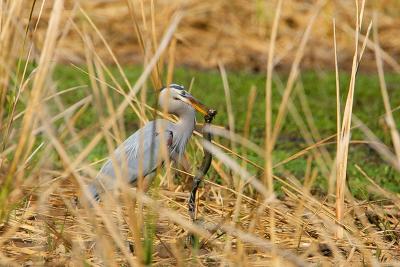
(140, 153)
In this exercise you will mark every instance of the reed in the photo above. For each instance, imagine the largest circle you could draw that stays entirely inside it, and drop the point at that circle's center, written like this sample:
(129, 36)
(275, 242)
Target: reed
(45, 153)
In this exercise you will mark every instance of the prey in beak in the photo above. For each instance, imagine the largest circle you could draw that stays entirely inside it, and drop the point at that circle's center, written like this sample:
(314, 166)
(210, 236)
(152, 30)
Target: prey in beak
(196, 104)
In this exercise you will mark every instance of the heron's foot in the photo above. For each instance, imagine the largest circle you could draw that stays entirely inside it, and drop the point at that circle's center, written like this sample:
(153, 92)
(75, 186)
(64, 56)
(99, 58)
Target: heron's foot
(192, 240)
(130, 246)
(75, 203)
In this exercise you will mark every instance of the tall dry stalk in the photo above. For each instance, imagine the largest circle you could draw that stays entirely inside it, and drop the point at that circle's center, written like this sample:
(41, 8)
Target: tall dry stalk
(258, 233)
(338, 106)
(148, 43)
(268, 178)
(26, 139)
(385, 96)
(8, 33)
(268, 101)
(294, 71)
(231, 119)
(344, 134)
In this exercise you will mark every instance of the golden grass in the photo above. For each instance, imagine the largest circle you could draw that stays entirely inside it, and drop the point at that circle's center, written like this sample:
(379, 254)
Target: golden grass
(241, 222)
(240, 44)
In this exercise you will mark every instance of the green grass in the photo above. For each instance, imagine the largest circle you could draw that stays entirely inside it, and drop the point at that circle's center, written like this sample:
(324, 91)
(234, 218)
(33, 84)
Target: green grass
(320, 91)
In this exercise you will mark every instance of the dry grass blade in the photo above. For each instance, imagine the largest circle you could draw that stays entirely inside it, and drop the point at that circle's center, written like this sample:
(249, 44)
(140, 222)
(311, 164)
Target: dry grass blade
(317, 153)
(231, 118)
(382, 191)
(268, 103)
(294, 71)
(264, 244)
(370, 44)
(344, 135)
(268, 173)
(261, 204)
(385, 96)
(147, 46)
(100, 35)
(239, 44)
(338, 106)
(38, 90)
(236, 168)
(380, 147)
(7, 55)
(139, 83)
(110, 227)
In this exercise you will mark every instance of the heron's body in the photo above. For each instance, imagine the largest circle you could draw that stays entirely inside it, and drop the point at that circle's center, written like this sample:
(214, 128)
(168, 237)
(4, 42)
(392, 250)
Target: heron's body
(140, 154)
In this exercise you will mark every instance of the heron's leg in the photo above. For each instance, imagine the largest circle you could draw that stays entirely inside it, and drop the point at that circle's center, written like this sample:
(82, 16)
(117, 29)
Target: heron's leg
(147, 180)
(183, 164)
(146, 183)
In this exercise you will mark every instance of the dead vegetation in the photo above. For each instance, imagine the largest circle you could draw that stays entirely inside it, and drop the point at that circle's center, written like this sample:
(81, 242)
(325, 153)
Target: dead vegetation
(241, 43)
(241, 221)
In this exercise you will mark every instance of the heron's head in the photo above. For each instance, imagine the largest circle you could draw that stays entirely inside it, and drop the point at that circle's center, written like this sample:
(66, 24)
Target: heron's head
(176, 100)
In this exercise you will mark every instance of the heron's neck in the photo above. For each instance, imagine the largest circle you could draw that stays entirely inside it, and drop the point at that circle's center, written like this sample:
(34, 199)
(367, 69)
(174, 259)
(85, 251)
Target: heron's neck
(184, 129)
(187, 121)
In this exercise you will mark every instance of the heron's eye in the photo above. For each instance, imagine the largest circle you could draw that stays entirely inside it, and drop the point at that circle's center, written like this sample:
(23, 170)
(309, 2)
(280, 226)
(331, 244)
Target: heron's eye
(175, 98)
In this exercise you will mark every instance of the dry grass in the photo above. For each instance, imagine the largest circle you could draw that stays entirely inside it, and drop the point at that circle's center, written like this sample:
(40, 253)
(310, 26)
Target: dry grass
(240, 44)
(241, 221)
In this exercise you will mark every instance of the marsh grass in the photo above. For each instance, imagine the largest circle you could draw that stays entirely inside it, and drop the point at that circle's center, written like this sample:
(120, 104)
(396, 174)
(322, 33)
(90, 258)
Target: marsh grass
(56, 131)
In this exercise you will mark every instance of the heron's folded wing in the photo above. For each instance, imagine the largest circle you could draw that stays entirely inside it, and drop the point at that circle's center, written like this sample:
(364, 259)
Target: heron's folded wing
(139, 154)
(151, 135)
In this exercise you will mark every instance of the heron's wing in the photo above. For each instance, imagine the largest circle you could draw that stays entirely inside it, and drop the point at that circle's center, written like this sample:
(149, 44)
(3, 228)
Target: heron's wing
(152, 134)
(139, 154)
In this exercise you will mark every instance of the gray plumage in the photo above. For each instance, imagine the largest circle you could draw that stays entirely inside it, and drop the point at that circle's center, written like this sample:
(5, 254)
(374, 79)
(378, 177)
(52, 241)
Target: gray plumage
(141, 152)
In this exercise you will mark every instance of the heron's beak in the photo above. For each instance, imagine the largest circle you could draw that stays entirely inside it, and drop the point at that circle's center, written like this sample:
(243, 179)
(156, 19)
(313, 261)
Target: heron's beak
(203, 109)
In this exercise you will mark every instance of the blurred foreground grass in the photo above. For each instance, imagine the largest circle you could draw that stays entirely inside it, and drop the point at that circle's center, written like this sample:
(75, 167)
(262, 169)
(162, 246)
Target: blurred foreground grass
(319, 89)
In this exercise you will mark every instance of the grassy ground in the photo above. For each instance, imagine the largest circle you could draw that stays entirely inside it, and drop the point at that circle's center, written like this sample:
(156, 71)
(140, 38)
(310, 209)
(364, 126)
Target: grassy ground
(319, 89)
(63, 120)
